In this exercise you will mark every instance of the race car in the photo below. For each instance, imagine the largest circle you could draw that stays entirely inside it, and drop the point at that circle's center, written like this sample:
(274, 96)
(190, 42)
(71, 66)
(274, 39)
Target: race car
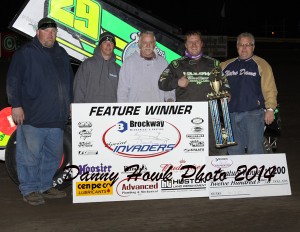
(8, 150)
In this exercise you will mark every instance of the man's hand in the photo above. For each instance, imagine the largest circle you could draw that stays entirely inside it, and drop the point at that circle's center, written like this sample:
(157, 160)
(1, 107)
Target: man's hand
(183, 82)
(269, 117)
(18, 115)
(228, 95)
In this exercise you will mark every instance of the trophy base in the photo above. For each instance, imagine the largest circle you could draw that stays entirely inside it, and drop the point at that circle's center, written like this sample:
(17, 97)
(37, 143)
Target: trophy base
(226, 145)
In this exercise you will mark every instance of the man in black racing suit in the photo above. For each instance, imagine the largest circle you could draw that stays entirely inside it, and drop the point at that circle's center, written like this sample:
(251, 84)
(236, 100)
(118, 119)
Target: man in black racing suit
(190, 76)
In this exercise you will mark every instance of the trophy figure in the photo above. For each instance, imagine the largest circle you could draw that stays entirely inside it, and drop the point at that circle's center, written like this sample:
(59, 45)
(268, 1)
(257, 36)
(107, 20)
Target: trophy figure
(218, 103)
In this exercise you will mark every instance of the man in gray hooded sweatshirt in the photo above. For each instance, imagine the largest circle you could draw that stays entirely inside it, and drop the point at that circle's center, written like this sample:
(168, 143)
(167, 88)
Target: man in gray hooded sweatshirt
(96, 80)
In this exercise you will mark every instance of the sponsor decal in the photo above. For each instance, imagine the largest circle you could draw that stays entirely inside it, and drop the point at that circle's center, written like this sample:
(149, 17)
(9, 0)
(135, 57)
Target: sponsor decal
(132, 169)
(85, 144)
(138, 187)
(85, 133)
(85, 124)
(194, 136)
(141, 139)
(221, 162)
(93, 188)
(176, 167)
(197, 129)
(133, 46)
(93, 169)
(91, 173)
(193, 149)
(197, 143)
(90, 152)
(183, 184)
(197, 120)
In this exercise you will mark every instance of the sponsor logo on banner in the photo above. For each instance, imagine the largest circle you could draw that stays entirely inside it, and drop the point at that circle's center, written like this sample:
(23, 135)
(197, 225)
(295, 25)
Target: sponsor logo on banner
(221, 162)
(197, 129)
(182, 185)
(193, 150)
(132, 169)
(85, 124)
(102, 168)
(126, 188)
(141, 139)
(85, 133)
(197, 120)
(85, 144)
(89, 152)
(195, 136)
(93, 188)
(197, 143)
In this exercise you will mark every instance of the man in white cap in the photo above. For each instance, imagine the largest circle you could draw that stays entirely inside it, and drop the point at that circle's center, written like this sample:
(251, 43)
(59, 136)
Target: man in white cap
(96, 80)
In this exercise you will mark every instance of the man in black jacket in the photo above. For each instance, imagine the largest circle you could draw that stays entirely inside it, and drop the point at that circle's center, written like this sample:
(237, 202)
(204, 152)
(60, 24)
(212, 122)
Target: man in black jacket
(39, 89)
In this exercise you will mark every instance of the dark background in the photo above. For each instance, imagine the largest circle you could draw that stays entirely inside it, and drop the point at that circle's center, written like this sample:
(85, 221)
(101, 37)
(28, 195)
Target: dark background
(281, 17)
(256, 16)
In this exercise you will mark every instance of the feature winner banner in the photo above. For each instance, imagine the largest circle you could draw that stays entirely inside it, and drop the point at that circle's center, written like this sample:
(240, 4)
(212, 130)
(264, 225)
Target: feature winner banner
(138, 151)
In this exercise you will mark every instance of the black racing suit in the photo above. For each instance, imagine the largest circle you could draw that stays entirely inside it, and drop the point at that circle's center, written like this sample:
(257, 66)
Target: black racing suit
(198, 71)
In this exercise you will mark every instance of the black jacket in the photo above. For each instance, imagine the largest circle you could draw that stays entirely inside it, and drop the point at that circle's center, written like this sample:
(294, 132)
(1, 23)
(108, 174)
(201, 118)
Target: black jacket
(40, 81)
(198, 71)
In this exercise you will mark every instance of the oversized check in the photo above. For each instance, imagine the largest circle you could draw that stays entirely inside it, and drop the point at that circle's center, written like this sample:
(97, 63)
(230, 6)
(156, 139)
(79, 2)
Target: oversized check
(241, 176)
(138, 151)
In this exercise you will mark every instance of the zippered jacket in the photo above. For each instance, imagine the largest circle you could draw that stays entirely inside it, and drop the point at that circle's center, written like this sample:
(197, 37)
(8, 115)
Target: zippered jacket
(40, 81)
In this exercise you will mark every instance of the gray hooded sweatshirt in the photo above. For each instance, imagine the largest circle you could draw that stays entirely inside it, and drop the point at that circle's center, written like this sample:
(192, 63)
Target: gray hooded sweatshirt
(96, 80)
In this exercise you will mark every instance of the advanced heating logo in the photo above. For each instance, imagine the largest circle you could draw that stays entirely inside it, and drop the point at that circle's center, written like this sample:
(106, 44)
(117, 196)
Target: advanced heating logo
(141, 139)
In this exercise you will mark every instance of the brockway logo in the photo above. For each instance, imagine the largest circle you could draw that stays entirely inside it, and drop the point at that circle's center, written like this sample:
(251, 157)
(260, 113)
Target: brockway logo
(147, 123)
(144, 139)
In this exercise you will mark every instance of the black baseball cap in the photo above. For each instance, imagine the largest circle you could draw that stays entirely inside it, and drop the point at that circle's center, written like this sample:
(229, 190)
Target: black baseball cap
(45, 23)
(107, 36)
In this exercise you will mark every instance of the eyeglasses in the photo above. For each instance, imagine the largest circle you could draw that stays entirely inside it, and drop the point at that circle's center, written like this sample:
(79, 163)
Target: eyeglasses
(247, 45)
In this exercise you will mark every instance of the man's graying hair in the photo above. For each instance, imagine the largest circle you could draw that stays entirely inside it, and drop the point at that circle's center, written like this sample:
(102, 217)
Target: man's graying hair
(145, 33)
(245, 34)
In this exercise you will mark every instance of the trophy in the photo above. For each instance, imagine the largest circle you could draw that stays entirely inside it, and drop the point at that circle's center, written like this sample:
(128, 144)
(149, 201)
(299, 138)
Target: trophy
(218, 103)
